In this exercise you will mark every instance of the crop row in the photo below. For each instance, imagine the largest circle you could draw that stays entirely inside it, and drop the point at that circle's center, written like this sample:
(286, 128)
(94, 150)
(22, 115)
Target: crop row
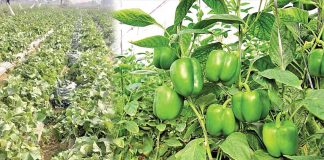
(104, 24)
(25, 96)
(17, 32)
(35, 122)
(86, 120)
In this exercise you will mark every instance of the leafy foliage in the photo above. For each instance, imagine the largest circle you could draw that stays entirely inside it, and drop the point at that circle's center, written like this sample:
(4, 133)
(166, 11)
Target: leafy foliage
(111, 111)
(31, 128)
(273, 53)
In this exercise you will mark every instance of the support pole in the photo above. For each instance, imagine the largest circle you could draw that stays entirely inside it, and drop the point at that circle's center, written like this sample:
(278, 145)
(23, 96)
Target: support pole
(11, 10)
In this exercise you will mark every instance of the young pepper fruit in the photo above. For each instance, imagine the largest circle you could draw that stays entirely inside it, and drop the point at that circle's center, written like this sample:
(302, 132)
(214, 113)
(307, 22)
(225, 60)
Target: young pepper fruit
(163, 57)
(280, 137)
(222, 66)
(220, 120)
(251, 106)
(186, 76)
(316, 63)
(167, 103)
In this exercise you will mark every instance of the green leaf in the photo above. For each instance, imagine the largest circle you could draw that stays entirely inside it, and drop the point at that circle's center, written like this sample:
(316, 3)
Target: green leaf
(282, 76)
(261, 81)
(261, 155)
(282, 3)
(119, 142)
(180, 127)
(41, 115)
(194, 150)
(28, 156)
(263, 63)
(143, 72)
(207, 40)
(206, 100)
(163, 148)
(293, 15)
(173, 142)
(225, 18)
(218, 6)
(275, 98)
(133, 87)
(172, 30)
(308, 2)
(185, 41)
(133, 17)
(261, 27)
(196, 31)
(304, 157)
(3, 154)
(131, 126)
(253, 141)
(281, 53)
(131, 108)
(182, 10)
(161, 127)
(86, 149)
(152, 42)
(256, 127)
(191, 129)
(243, 152)
(147, 145)
(96, 148)
(321, 131)
(314, 102)
(294, 30)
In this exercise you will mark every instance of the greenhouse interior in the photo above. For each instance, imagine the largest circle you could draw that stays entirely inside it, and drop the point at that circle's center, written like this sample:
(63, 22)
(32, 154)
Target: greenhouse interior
(161, 80)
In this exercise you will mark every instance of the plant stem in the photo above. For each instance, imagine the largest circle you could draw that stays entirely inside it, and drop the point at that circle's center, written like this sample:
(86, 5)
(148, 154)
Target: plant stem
(191, 45)
(246, 87)
(159, 25)
(249, 72)
(224, 90)
(318, 37)
(279, 35)
(199, 10)
(297, 109)
(278, 123)
(308, 75)
(316, 82)
(122, 81)
(226, 102)
(221, 154)
(248, 27)
(157, 146)
(218, 154)
(304, 123)
(238, 10)
(283, 91)
(320, 83)
(297, 69)
(202, 125)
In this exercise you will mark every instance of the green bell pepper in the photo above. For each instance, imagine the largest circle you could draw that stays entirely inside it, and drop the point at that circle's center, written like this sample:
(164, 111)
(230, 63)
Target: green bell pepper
(167, 103)
(250, 106)
(222, 66)
(220, 120)
(316, 63)
(163, 57)
(186, 76)
(280, 137)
